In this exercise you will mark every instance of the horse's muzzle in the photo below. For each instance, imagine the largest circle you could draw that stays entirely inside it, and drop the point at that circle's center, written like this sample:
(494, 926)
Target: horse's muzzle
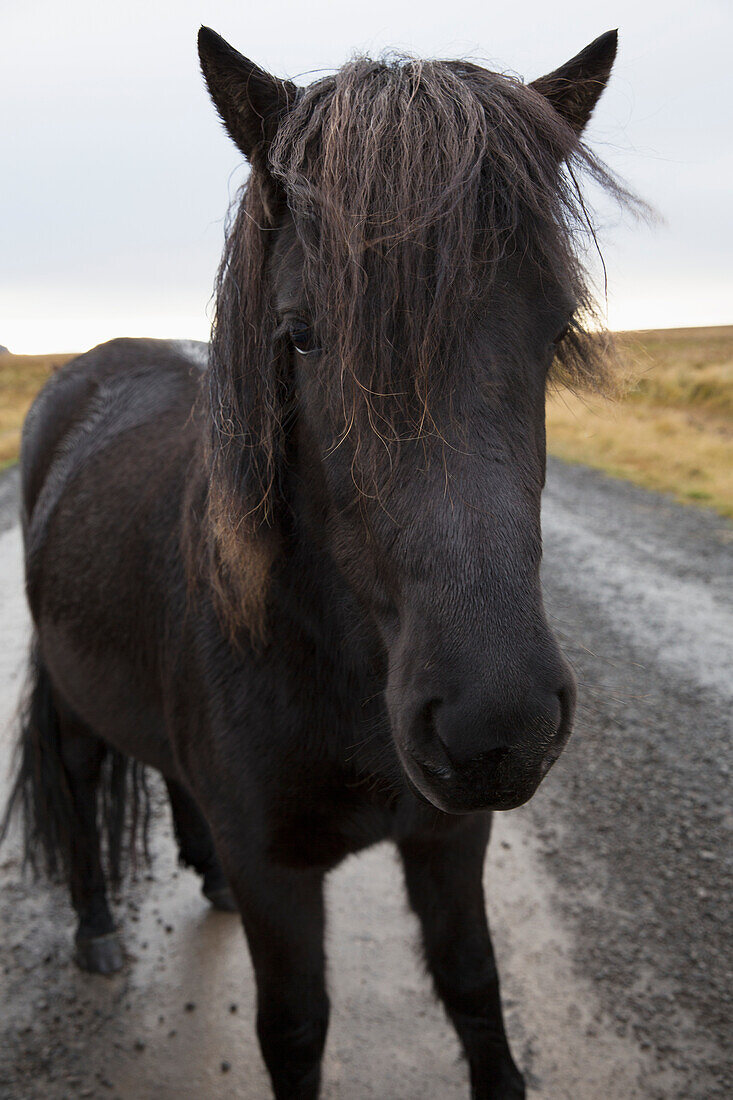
(503, 774)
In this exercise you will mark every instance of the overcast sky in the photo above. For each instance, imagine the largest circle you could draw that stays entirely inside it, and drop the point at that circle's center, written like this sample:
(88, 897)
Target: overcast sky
(116, 174)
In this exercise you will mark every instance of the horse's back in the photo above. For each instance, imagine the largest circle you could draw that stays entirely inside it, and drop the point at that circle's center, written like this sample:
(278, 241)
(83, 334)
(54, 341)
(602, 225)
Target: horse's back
(105, 456)
(99, 395)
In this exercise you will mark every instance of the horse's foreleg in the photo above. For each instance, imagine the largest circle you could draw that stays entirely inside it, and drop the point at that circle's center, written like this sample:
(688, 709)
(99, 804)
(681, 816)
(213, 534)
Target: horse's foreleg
(444, 883)
(283, 916)
(196, 847)
(98, 947)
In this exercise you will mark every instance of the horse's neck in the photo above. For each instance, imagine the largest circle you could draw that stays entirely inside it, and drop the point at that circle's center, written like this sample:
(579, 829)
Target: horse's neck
(316, 598)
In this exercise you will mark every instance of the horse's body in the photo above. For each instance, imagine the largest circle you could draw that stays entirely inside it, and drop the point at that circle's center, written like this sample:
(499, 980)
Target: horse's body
(316, 654)
(105, 452)
(108, 497)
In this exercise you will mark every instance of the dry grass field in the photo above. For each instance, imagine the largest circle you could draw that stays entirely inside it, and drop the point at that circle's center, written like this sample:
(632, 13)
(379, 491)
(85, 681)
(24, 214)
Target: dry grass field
(672, 431)
(21, 377)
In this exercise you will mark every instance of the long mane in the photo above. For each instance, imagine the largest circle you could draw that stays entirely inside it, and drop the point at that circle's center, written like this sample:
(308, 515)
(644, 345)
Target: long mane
(409, 183)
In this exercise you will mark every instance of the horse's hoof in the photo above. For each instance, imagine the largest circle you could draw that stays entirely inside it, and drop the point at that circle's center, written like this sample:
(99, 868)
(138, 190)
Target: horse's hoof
(99, 954)
(221, 898)
(216, 888)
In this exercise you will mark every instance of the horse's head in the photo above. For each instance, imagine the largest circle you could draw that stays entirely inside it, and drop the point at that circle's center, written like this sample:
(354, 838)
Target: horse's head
(397, 285)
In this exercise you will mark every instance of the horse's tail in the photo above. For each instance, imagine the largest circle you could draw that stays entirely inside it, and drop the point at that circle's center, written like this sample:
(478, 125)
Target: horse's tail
(41, 793)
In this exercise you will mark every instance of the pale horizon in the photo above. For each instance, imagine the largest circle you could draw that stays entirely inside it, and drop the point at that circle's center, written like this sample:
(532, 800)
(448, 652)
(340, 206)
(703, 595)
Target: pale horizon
(187, 332)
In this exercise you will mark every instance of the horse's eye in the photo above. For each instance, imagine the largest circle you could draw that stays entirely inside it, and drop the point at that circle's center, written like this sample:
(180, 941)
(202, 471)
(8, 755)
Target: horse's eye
(302, 338)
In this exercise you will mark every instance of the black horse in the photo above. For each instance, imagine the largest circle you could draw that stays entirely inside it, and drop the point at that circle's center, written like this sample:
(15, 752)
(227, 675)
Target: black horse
(297, 572)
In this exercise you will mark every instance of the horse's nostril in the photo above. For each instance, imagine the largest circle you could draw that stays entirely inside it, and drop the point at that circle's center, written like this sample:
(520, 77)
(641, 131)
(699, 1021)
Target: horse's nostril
(489, 761)
(433, 769)
(497, 756)
(426, 745)
(566, 695)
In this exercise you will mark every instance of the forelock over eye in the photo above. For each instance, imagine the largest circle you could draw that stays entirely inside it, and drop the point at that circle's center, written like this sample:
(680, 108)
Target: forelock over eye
(303, 339)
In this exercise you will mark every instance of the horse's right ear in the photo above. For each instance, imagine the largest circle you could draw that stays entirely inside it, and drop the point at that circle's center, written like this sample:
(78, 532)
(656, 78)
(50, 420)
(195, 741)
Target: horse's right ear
(250, 101)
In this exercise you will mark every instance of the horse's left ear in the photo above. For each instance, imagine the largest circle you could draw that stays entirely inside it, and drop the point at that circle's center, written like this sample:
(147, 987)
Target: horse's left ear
(249, 100)
(575, 88)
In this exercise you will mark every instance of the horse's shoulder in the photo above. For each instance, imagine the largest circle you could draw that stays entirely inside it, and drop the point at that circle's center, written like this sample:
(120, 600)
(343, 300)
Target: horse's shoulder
(96, 399)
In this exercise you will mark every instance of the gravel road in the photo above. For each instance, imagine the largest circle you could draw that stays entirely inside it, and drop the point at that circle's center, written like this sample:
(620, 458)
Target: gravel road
(609, 893)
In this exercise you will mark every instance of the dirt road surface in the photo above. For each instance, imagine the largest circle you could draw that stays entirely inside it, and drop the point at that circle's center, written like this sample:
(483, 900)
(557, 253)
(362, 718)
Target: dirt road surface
(609, 893)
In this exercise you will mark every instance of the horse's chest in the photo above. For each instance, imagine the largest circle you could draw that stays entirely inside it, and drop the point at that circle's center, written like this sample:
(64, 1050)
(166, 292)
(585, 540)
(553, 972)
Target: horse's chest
(318, 825)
